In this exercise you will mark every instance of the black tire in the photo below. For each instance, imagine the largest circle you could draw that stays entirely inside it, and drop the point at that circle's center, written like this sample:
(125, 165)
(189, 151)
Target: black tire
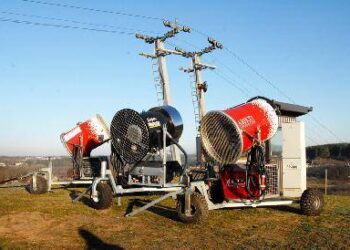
(199, 209)
(42, 186)
(311, 202)
(105, 195)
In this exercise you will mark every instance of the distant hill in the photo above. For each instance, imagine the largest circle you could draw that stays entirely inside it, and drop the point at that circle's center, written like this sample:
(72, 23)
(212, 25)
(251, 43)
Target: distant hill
(339, 151)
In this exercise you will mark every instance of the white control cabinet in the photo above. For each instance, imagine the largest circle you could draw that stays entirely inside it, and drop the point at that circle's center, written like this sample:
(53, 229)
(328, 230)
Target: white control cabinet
(293, 159)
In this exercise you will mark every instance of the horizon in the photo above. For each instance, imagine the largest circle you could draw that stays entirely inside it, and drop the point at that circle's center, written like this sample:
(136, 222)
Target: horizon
(51, 78)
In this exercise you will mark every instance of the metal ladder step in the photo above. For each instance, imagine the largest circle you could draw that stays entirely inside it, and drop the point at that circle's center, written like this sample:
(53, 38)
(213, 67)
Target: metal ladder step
(157, 82)
(194, 100)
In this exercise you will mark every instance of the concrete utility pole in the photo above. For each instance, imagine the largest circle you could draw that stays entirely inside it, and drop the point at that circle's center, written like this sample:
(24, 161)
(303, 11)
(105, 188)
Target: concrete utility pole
(200, 86)
(160, 52)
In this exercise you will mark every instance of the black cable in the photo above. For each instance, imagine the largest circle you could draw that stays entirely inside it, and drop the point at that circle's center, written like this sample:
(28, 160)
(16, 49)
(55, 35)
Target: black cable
(17, 21)
(77, 22)
(260, 75)
(232, 83)
(93, 10)
(223, 64)
(255, 162)
(239, 58)
(312, 140)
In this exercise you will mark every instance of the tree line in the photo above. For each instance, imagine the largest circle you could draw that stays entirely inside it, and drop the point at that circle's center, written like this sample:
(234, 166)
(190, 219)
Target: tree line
(339, 151)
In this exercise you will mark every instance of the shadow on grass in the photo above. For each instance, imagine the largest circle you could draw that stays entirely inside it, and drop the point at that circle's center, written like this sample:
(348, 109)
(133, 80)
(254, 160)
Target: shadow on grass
(93, 242)
(288, 209)
(161, 210)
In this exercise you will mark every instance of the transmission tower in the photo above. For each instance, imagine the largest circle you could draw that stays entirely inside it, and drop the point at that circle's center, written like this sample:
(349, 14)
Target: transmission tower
(159, 67)
(198, 86)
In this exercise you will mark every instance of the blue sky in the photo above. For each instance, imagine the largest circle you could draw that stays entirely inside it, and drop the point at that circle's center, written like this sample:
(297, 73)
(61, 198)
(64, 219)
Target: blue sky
(51, 78)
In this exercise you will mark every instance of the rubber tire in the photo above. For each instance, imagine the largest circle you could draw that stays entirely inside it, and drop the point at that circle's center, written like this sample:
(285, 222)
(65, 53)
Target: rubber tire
(105, 196)
(198, 204)
(311, 202)
(42, 186)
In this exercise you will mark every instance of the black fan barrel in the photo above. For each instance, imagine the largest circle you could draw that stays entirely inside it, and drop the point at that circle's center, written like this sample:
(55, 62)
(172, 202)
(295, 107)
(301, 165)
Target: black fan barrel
(135, 134)
(171, 118)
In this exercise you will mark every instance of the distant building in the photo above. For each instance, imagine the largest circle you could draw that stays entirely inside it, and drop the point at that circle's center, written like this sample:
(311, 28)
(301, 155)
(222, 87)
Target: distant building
(2, 164)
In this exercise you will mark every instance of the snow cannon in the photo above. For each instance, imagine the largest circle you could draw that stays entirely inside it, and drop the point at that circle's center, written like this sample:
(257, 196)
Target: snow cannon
(228, 134)
(86, 136)
(135, 134)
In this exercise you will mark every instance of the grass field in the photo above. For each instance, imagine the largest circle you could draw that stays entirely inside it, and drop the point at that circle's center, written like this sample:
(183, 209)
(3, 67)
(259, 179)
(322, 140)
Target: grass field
(51, 221)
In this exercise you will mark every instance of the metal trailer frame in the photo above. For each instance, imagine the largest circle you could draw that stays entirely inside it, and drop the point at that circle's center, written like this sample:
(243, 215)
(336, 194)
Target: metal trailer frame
(47, 173)
(202, 188)
(174, 191)
(183, 187)
(107, 176)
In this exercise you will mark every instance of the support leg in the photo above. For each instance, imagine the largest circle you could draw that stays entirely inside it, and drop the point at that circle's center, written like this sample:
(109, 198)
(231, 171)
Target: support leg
(82, 194)
(148, 205)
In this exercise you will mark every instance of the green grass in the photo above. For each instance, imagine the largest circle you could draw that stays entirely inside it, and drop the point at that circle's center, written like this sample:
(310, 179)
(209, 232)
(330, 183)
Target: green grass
(52, 221)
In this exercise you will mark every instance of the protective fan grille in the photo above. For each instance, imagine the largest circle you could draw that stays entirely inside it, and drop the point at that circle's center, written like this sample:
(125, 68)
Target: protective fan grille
(221, 137)
(130, 135)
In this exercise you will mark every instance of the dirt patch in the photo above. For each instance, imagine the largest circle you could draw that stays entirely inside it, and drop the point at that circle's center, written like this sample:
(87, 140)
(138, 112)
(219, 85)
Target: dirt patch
(38, 227)
(25, 225)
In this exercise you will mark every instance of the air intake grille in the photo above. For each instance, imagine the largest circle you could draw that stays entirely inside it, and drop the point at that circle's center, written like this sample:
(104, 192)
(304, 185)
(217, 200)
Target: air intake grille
(272, 181)
(221, 137)
(130, 135)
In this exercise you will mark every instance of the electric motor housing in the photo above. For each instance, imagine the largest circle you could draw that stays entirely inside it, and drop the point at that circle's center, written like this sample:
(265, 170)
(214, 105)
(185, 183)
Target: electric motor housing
(135, 134)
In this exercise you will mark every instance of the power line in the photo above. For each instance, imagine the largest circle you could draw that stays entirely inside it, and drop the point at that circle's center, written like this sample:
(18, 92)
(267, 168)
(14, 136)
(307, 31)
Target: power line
(325, 127)
(235, 55)
(224, 65)
(312, 140)
(240, 77)
(111, 12)
(76, 22)
(232, 83)
(94, 10)
(243, 87)
(260, 75)
(318, 135)
(2, 19)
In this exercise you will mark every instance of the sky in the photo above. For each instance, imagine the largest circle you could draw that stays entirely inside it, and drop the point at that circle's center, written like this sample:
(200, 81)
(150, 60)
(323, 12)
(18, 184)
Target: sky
(52, 77)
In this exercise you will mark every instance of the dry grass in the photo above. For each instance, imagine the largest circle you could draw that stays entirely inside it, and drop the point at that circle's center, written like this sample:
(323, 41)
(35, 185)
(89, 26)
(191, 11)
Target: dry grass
(52, 221)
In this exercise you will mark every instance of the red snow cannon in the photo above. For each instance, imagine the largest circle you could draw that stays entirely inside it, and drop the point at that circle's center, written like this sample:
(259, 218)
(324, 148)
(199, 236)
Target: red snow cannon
(227, 134)
(86, 136)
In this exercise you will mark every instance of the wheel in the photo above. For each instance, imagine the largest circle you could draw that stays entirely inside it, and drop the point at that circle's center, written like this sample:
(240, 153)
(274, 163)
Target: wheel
(199, 209)
(104, 196)
(42, 186)
(311, 202)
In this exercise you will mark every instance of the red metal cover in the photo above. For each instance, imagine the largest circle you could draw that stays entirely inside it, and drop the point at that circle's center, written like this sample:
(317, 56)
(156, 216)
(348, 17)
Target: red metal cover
(89, 135)
(233, 181)
(250, 117)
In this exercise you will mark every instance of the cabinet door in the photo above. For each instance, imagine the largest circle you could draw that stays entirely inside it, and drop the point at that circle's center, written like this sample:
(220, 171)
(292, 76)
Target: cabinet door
(294, 159)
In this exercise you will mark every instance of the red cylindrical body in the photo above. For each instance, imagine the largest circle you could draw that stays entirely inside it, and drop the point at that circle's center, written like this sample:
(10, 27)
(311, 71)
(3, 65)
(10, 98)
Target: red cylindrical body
(228, 134)
(86, 135)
